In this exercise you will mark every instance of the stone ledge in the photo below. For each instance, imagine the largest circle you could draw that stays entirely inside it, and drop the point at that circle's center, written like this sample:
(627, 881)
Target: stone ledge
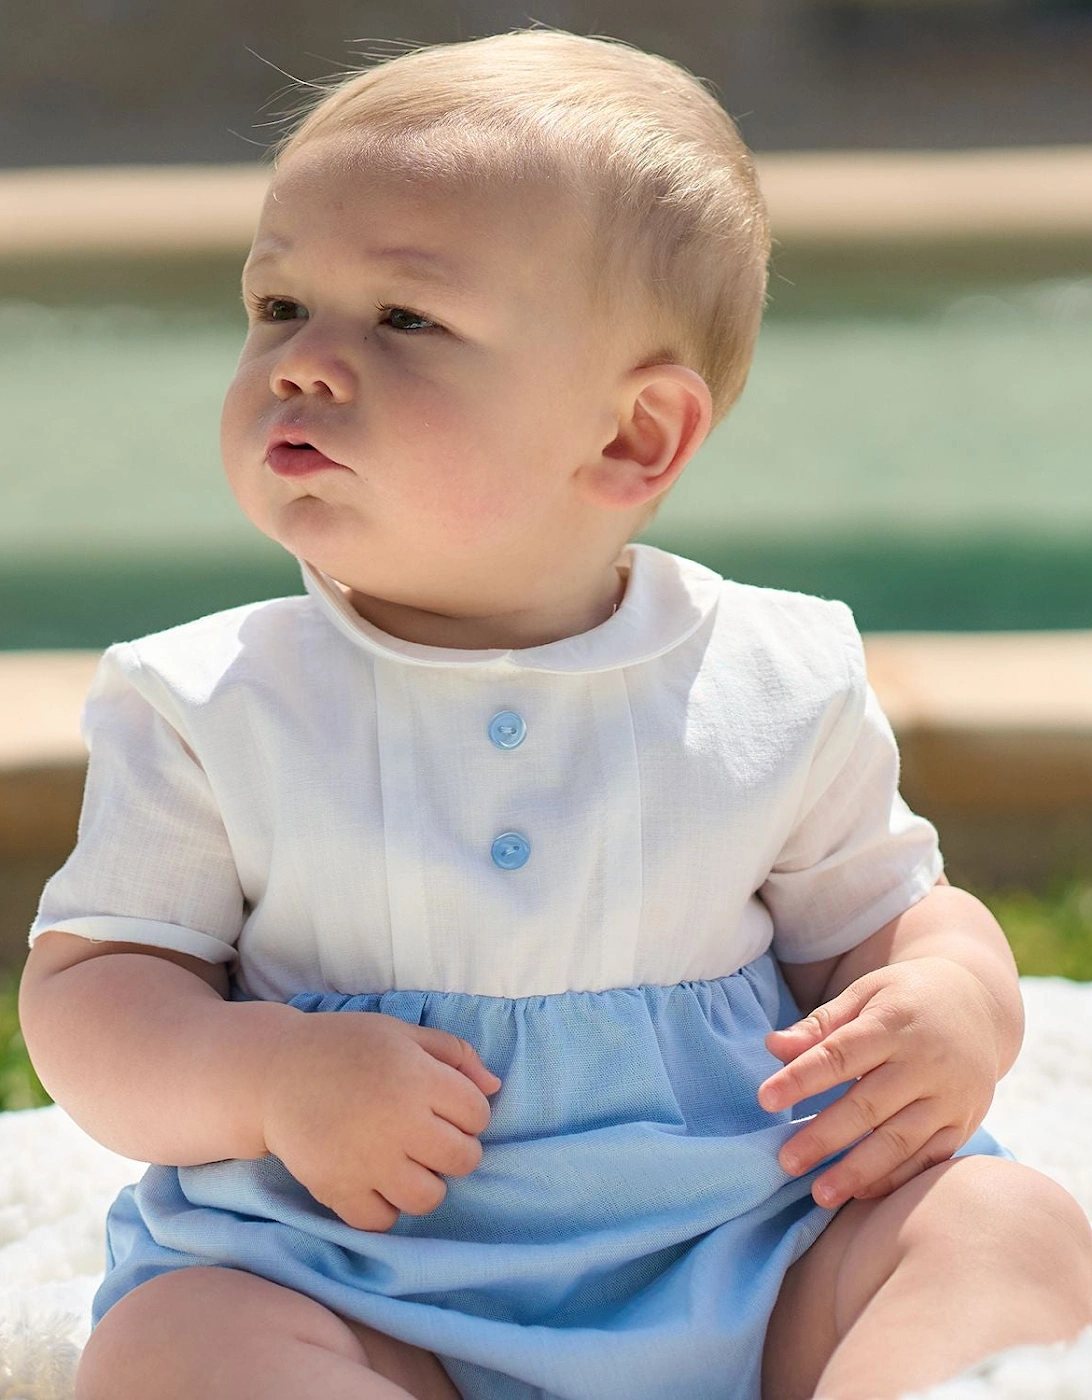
(993, 721)
(41, 696)
(836, 197)
(994, 729)
(985, 721)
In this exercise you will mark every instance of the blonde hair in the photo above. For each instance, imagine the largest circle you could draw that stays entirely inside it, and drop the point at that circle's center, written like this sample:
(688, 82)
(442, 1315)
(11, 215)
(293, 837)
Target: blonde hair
(677, 226)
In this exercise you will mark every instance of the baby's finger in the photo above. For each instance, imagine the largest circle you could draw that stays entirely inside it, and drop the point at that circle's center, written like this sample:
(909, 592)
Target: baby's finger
(826, 1018)
(459, 1054)
(790, 1043)
(441, 1147)
(901, 1141)
(849, 1053)
(371, 1211)
(795, 1039)
(938, 1149)
(456, 1100)
(877, 1099)
(415, 1190)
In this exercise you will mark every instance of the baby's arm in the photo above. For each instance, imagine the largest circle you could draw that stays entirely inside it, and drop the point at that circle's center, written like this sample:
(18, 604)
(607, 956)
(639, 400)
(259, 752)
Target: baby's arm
(926, 1015)
(139, 1046)
(140, 1043)
(952, 924)
(141, 1049)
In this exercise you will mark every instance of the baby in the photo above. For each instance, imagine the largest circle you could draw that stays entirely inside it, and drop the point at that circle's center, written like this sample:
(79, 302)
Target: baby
(670, 1044)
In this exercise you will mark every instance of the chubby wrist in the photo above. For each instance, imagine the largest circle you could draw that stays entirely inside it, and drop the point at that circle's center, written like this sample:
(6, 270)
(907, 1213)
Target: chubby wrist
(948, 923)
(1000, 988)
(257, 1039)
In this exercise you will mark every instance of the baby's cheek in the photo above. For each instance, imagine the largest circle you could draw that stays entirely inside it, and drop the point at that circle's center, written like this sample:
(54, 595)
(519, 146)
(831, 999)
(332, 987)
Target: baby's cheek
(239, 413)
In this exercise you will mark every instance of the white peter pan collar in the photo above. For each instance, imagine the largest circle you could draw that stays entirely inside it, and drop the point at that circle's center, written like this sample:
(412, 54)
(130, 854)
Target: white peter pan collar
(667, 598)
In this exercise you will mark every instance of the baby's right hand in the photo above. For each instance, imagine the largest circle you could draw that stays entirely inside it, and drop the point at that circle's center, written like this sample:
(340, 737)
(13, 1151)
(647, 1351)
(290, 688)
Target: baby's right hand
(367, 1111)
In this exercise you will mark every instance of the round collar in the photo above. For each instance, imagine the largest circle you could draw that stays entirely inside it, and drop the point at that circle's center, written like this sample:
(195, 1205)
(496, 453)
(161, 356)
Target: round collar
(667, 598)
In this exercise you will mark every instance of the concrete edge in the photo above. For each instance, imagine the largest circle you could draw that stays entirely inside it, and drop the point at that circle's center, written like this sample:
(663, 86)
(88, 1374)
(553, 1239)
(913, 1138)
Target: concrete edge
(994, 733)
(985, 721)
(1037, 193)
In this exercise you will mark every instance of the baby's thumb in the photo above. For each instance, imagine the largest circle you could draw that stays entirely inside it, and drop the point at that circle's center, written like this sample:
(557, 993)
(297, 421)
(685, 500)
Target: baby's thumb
(460, 1055)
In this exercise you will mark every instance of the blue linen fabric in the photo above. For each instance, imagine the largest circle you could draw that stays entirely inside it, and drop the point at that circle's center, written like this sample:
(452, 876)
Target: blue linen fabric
(626, 1233)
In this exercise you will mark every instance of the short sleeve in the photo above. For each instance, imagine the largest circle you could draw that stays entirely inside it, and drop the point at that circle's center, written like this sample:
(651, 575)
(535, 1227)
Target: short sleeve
(152, 862)
(856, 856)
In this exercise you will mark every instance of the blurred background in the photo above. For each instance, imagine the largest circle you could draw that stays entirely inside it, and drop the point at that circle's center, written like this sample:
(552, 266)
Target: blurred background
(914, 438)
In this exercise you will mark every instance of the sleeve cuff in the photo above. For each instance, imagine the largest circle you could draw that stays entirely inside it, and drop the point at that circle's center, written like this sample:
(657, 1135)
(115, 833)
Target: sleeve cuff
(111, 928)
(864, 924)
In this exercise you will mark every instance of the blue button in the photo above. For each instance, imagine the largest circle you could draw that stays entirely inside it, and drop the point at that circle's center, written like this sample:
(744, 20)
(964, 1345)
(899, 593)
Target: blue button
(511, 850)
(507, 729)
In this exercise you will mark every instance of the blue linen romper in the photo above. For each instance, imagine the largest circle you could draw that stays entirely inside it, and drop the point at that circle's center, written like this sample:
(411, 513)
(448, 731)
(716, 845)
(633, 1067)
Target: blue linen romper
(629, 1227)
(626, 1234)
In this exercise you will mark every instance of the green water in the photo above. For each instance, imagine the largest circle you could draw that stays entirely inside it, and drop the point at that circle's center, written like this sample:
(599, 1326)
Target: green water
(920, 449)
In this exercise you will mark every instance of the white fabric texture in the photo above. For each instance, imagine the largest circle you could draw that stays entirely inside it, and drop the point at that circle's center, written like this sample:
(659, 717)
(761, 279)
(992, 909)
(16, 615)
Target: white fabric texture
(706, 772)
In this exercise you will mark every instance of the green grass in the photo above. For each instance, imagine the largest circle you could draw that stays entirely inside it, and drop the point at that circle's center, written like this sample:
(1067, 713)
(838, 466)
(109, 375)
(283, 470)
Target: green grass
(20, 1087)
(1050, 936)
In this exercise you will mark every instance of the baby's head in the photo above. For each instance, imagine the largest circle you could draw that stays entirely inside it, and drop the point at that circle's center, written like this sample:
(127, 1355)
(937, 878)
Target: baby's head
(510, 285)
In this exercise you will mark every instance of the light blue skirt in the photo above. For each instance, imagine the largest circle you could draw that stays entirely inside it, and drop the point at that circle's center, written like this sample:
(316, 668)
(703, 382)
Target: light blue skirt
(626, 1233)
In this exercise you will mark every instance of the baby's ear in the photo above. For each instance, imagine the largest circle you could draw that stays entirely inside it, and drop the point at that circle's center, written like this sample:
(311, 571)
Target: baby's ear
(663, 418)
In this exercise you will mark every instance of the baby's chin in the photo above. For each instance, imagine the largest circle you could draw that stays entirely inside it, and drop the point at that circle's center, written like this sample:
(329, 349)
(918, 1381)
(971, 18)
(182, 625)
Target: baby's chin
(325, 533)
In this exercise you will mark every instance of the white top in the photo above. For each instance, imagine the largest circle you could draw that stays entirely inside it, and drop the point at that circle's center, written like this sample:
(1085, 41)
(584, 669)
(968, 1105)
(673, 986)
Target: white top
(705, 772)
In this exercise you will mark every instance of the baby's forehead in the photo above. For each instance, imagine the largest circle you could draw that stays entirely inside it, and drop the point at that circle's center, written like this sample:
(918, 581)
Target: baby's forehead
(441, 216)
(352, 164)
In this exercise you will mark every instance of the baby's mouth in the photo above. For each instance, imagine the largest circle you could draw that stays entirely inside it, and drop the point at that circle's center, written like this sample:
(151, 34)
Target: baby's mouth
(299, 459)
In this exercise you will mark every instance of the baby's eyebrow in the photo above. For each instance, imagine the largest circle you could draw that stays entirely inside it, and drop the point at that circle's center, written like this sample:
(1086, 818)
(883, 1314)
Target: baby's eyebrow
(416, 264)
(265, 252)
(421, 263)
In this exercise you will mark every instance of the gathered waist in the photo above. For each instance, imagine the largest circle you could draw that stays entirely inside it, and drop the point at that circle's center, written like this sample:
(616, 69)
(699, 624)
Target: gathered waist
(688, 1057)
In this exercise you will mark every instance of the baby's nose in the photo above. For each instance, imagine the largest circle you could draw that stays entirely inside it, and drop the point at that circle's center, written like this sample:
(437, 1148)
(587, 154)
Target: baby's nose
(306, 366)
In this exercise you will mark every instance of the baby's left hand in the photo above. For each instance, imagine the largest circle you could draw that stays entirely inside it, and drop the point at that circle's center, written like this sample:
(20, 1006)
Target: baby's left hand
(920, 1039)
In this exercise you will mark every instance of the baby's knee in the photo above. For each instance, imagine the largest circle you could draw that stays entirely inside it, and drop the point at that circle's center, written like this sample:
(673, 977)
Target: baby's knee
(131, 1341)
(989, 1208)
(172, 1325)
(1049, 1234)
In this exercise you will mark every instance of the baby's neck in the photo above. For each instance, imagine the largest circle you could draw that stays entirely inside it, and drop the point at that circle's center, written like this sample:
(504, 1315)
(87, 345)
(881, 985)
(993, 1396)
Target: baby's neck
(510, 630)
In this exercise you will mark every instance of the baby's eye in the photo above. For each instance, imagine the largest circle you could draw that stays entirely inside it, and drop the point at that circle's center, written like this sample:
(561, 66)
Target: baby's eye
(400, 318)
(275, 308)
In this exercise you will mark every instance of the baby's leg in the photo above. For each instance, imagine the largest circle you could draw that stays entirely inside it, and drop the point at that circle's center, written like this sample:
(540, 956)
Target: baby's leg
(224, 1334)
(967, 1259)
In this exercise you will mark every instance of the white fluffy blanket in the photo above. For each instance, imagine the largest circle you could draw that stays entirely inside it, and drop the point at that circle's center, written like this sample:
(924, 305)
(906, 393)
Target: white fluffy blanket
(56, 1184)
